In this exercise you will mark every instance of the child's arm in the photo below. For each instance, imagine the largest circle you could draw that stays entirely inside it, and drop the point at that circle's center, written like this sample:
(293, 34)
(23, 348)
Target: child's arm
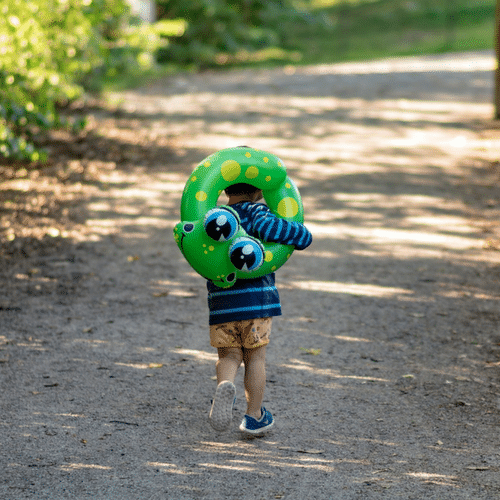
(270, 228)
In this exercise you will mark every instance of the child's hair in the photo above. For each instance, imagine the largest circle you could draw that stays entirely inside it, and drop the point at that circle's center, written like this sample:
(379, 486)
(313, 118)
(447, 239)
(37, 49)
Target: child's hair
(240, 189)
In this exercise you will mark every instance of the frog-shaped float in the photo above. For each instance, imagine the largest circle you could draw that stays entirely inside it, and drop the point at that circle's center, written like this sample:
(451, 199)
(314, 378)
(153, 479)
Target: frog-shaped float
(211, 238)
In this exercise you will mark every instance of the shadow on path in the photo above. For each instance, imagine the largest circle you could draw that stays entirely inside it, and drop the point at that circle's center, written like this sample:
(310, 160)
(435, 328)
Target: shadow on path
(383, 370)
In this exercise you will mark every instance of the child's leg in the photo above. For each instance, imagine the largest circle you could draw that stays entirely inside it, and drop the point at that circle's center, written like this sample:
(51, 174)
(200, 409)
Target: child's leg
(222, 405)
(255, 379)
(230, 359)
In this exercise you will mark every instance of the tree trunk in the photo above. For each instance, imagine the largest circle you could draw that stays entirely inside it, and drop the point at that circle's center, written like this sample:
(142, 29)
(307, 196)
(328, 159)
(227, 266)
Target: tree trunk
(497, 72)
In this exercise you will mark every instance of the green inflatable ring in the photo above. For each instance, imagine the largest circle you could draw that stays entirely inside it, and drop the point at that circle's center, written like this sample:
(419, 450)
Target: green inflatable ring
(211, 238)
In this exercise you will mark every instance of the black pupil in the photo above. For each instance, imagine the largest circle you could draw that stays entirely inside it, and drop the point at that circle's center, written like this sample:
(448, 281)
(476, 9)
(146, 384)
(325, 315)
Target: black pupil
(239, 259)
(217, 232)
(188, 227)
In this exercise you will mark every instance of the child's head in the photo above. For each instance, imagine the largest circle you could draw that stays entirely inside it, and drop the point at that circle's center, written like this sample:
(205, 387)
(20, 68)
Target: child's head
(244, 190)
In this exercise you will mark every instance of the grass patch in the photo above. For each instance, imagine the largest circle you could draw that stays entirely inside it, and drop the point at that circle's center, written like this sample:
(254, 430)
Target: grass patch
(367, 29)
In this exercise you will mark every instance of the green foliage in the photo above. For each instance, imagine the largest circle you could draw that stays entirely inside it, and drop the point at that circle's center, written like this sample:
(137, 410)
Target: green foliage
(217, 29)
(364, 29)
(51, 51)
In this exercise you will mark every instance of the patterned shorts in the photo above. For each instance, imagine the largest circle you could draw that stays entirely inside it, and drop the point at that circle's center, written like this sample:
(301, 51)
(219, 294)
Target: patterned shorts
(247, 333)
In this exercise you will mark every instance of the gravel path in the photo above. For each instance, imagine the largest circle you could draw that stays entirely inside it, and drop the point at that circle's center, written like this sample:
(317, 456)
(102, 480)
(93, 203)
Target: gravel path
(383, 372)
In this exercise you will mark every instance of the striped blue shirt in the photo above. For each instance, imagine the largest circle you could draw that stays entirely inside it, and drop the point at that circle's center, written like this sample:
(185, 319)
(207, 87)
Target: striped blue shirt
(258, 297)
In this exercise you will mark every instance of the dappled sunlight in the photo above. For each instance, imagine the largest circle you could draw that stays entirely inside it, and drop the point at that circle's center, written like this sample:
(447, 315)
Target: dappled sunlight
(139, 366)
(239, 467)
(336, 130)
(344, 137)
(388, 236)
(199, 355)
(118, 226)
(460, 294)
(270, 460)
(348, 288)
(413, 64)
(441, 479)
(297, 364)
(73, 466)
(91, 341)
(136, 207)
(176, 288)
(382, 370)
(348, 338)
(170, 468)
(322, 254)
(451, 223)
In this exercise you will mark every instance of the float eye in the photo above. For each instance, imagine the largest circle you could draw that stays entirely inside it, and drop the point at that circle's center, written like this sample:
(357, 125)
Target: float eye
(187, 228)
(246, 254)
(220, 224)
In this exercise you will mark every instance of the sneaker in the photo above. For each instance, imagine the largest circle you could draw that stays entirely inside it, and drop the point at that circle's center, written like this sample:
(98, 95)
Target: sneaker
(253, 426)
(221, 412)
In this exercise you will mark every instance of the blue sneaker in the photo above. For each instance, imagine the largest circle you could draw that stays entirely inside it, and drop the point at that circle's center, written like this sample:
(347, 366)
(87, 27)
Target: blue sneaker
(221, 413)
(253, 426)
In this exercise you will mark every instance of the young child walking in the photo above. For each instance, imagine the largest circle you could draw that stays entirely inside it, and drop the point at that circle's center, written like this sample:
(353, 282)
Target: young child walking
(240, 317)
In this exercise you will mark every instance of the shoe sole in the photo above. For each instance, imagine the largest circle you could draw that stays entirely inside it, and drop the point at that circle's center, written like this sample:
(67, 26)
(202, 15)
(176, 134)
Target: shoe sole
(221, 413)
(256, 432)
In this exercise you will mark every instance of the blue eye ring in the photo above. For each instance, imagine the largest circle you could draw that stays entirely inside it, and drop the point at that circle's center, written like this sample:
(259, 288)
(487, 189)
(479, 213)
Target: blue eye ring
(246, 254)
(221, 223)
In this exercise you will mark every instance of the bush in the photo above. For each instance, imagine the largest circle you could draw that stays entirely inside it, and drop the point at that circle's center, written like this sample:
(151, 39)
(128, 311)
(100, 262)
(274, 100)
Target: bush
(218, 28)
(52, 51)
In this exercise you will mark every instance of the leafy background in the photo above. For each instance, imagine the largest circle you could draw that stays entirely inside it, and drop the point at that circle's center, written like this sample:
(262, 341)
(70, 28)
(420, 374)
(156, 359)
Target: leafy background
(54, 52)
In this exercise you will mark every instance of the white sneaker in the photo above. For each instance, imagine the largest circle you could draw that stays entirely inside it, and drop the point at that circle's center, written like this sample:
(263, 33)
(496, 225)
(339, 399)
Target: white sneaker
(221, 413)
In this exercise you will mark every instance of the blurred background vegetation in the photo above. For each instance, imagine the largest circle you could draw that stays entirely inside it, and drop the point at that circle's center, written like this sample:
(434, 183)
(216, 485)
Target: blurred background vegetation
(53, 52)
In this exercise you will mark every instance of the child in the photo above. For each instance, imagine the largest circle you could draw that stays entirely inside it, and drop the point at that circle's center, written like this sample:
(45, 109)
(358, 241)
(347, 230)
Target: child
(240, 317)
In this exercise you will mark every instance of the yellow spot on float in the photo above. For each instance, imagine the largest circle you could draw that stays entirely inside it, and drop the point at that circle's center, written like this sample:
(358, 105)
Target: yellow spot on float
(193, 178)
(207, 164)
(201, 196)
(268, 256)
(273, 268)
(288, 185)
(230, 170)
(211, 248)
(248, 155)
(252, 172)
(266, 159)
(204, 245)
(288, 207)
(268, 178)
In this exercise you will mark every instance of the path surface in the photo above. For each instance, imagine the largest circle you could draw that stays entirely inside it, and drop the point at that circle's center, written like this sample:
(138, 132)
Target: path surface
(105, 364)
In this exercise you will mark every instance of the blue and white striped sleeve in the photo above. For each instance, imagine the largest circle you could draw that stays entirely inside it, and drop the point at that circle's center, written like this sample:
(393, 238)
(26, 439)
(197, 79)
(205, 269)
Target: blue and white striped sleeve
(270, 228)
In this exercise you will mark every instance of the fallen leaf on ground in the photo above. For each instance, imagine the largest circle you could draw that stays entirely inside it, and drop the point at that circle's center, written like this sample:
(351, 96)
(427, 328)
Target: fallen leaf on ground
(314, 352)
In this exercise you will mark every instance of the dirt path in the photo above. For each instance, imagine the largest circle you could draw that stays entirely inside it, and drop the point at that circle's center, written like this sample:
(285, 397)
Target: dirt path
(384, 370)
